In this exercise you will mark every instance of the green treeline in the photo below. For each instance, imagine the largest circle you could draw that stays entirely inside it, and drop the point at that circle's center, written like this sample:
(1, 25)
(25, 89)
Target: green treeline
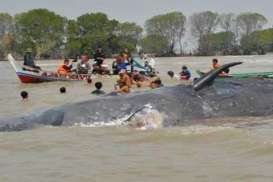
(50, 35)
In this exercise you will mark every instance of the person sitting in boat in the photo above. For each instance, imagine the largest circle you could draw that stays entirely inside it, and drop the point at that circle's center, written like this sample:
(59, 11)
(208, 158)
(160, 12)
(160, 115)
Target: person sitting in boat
(122, 66)
(115, 63)
(216, 65)
(65, 68)
(99, 57)
(185, 73)
(83, 67)
(148, 67)
(115, 67)
(75, 63)
(119, 64)
(150, 62)
(126, 55)
(29, 64)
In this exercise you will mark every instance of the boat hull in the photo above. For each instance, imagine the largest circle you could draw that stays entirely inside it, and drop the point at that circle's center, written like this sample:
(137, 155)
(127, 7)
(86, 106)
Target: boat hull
(28, 78)
(33, 77)
(243, 75)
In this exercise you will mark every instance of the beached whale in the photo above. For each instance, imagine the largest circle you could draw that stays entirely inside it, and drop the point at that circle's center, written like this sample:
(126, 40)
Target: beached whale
(176, 105)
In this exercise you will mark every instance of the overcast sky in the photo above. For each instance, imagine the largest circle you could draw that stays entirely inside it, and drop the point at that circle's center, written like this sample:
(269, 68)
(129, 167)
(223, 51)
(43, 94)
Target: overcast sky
(138, 10)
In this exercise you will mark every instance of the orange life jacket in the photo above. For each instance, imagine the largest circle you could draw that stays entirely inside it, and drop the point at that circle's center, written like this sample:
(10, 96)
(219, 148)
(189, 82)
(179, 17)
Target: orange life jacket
(63, 70)
(222, 74)
(215, 66)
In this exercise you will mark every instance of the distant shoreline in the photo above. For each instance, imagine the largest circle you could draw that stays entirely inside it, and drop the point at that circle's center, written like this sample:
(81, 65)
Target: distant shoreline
(194, 56)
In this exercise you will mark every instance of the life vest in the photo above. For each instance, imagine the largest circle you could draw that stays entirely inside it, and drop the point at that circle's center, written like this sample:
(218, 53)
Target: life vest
(63, 70)
(215, 66)
(222, 74)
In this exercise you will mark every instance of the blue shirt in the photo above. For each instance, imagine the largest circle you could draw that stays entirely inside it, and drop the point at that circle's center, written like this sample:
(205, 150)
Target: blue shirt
(121, 66)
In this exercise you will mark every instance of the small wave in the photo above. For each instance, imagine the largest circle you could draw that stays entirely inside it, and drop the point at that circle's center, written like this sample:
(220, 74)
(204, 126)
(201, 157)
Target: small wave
(118, 122)
(144, 118)
(147, 119)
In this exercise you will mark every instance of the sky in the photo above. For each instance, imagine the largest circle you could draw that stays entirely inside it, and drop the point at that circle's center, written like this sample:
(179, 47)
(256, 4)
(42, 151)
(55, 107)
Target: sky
(138, 10)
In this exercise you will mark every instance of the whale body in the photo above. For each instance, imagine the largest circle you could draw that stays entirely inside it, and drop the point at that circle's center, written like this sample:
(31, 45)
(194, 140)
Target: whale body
(176, 105)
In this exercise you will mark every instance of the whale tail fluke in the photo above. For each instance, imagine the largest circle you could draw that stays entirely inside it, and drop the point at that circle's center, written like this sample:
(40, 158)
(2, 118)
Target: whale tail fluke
(207, 79)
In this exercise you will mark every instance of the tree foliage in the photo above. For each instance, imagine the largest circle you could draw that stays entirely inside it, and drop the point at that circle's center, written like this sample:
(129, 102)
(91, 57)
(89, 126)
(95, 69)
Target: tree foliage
(228, 22)
(202, 24)
(259, 41)
(128, 34)
(6, 30)
(40, 29)
(155, 44)
(171, 26)
(6, 24)
(49, 34)
(250, 22)
(93, 30)
(223, 42)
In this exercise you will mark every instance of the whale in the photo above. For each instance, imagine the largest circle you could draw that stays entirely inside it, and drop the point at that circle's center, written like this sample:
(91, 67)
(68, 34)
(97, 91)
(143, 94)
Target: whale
(177, 105)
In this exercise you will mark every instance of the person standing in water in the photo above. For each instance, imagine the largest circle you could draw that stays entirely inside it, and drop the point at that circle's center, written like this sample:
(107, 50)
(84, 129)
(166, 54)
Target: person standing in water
(24, 95)
(62, 90)
(157, 83)
(124, 82)
(98, 90)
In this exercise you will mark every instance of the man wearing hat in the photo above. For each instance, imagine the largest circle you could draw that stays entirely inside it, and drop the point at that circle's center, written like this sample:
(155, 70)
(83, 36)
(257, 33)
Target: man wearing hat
(29, 64)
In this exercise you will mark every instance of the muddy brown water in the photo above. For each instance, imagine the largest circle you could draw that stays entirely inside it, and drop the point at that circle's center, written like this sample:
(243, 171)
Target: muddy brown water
(227, 151)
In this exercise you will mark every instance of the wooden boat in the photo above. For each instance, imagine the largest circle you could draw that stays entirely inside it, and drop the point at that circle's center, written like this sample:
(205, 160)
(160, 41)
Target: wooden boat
(34, 77)
(244, 75)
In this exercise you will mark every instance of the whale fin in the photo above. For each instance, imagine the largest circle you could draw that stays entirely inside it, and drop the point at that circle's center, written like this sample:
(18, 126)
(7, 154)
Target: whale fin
(207, 79)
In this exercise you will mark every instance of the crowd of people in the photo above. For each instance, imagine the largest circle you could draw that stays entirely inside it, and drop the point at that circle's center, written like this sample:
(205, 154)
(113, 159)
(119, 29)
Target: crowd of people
(127, 78)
